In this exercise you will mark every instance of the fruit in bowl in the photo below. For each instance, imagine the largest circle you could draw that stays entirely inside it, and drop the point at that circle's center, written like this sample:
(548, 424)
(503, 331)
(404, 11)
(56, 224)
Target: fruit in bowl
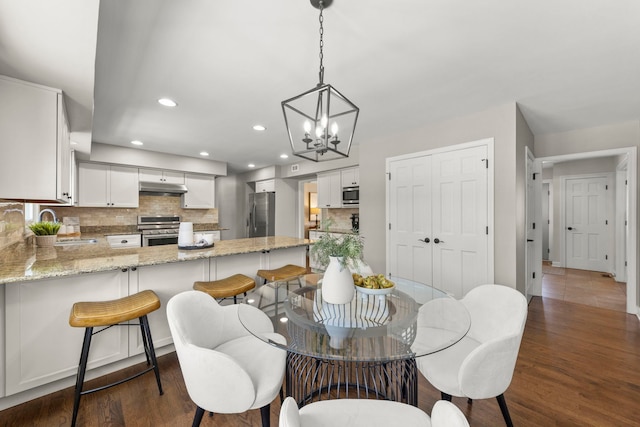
(377, 281)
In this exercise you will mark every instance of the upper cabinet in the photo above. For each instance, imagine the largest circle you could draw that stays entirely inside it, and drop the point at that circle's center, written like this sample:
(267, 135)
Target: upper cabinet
(156, 175)
(35, 163)
(350, 177)
(111, 186)
(201, 191)
(266, 186)
(330, 190)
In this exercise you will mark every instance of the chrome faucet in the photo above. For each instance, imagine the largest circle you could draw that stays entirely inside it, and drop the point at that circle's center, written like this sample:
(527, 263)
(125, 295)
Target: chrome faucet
(53, 214)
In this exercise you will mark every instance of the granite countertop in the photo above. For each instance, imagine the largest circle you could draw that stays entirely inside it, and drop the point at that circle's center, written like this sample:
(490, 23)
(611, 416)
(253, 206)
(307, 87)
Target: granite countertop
(26, 262)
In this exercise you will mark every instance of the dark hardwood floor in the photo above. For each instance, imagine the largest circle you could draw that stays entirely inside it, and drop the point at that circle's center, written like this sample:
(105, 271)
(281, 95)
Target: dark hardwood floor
(578, 366)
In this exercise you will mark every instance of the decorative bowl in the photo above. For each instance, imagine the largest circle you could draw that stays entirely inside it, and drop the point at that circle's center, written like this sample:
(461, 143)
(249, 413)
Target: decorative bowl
(369, 291)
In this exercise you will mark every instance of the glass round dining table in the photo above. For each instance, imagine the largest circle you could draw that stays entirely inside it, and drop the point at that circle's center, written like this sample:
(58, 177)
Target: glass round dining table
(366, 348)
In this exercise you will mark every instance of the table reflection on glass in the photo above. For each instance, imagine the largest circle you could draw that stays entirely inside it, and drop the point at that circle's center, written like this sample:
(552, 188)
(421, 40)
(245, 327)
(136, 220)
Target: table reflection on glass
(363, 349)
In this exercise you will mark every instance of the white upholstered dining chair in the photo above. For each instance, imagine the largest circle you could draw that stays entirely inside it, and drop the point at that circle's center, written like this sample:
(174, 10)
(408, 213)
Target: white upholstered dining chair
(225, 368)
(481, 365)
(368, 413)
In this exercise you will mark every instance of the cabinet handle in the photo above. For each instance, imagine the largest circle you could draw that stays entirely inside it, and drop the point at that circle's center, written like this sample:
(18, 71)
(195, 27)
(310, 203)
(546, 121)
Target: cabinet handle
(124, 241)
(124, 270)
(134, 268)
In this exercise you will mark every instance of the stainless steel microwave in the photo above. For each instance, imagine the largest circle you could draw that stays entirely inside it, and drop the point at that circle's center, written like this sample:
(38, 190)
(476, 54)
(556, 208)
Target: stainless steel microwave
(350, 196)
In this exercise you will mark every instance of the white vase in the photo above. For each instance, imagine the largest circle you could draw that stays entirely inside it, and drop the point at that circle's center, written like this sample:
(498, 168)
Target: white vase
(337, 283)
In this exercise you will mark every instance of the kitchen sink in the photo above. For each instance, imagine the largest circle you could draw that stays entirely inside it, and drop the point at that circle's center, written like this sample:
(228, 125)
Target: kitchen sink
(76, 242)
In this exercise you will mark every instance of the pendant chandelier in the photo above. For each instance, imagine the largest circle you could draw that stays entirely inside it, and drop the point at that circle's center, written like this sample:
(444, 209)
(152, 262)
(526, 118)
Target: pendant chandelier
(321, 121)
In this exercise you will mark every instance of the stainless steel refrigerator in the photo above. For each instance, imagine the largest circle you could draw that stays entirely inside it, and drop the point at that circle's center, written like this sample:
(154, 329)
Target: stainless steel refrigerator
(262, 214)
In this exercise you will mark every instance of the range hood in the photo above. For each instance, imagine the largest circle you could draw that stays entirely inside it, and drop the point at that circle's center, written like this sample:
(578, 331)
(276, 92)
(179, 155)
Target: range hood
(161, 188)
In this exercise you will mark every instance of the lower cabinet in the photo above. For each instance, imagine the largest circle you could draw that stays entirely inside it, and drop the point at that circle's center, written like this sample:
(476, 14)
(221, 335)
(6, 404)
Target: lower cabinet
(166, 280)
(41, 347)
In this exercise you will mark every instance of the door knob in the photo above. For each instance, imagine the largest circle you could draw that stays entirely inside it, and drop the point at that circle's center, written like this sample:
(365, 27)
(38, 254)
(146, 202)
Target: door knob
(436, 241)
(426, 240)
(569, 228)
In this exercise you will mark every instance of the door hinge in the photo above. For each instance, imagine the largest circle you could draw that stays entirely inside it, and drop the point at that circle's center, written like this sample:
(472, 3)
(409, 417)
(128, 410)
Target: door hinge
(486, 164)
(487, 230)
(548, 250)
(606, 187)
(534, 274)
(625, 222)
(534, 176)
(389, 175)
(534, 225)
(389, 226)
(548, 221)
(606, 257)
(625, 263)
(625, 182)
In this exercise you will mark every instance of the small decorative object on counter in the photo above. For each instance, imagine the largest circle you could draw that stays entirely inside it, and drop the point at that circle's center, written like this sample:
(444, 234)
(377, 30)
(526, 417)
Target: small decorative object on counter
(185, 234)
(46, 232)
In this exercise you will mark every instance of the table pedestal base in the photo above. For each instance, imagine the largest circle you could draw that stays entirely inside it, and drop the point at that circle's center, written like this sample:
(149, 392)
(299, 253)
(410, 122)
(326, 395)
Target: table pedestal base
(309, 379)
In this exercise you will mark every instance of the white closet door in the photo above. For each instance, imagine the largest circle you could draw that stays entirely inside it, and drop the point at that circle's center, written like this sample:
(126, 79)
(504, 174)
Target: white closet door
(585, 209)
(410, 219)
(459, 209)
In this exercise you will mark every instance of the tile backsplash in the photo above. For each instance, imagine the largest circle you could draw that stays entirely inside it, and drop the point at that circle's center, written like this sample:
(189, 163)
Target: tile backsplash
(341, 217)
(11, 223)
(127, 218)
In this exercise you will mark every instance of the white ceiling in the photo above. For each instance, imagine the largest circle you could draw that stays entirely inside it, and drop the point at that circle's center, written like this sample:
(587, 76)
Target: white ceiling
(569, 64)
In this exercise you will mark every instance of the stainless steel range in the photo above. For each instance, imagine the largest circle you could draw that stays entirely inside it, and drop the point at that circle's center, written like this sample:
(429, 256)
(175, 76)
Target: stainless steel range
(159, 230)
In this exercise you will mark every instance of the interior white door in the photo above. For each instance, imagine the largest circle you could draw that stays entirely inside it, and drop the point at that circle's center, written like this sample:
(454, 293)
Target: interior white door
(410, 247)
(533, 220)
(586, 223)
(460, 224)
(438, 219)
(546, 221)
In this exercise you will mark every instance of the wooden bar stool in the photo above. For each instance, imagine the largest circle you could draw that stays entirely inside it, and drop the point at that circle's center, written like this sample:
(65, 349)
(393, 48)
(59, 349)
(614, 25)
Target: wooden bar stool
(228, 287)
(107, 314)
(283, 274)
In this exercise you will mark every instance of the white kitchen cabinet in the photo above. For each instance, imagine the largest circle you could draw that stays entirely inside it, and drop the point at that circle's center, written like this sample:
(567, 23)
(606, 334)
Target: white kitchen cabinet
(266, 186)
(41, 347)
(101, 185)
(200, 191)
(35, 162)
(330, 190)
(118, 241)
(157, 175)
(350, 177)
(166, 280)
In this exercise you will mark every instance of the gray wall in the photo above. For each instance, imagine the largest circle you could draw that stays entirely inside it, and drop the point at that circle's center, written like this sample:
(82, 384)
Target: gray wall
(230, 201)
(510, 135)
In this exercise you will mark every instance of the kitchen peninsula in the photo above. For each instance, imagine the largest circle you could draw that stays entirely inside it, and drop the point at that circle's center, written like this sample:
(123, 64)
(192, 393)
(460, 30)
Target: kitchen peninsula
(39, 351)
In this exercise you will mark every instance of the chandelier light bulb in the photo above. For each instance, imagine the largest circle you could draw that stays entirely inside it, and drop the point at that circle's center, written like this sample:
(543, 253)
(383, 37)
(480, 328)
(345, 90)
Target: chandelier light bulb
(307, 126)
(319, 132)
(324, 121)
(334, 128)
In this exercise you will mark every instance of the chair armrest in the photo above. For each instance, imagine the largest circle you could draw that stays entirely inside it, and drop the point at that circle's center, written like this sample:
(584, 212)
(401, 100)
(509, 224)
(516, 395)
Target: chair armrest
(487, 371)
(215, 381)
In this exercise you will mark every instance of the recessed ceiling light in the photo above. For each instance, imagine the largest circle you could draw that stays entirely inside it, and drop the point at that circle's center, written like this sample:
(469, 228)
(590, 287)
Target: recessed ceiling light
(204, 153)
(259, 127)
(167, 102)
(136, 142)
(284, 156)
(251, 165)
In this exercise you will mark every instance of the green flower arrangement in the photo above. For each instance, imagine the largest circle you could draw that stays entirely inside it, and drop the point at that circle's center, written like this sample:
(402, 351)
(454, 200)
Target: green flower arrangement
(45, 228)
(348, 247)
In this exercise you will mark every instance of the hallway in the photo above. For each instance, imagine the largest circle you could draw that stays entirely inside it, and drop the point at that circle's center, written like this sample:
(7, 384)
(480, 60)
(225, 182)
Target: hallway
(592, 288)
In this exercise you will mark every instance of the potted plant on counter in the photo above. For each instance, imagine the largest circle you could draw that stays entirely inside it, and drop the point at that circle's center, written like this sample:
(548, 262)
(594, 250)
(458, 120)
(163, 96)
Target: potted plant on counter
(46, 232)
(335, 253)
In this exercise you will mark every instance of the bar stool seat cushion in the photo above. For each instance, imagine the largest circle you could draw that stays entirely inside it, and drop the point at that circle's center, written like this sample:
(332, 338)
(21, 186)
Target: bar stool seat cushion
(227, 287)
(105, 313)
(289, 271)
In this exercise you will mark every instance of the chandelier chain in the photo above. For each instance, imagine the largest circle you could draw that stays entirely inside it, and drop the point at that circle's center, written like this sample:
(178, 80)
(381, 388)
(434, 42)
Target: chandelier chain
(321, 20)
